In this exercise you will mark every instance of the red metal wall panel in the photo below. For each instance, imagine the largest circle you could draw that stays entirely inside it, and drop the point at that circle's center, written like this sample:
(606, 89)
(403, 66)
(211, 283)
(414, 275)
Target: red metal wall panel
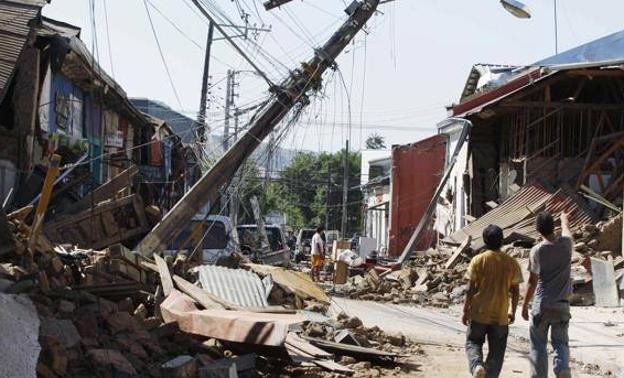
(416, 172)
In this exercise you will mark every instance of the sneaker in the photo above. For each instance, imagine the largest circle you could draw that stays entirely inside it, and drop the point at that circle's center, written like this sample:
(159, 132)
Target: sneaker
(479, 372)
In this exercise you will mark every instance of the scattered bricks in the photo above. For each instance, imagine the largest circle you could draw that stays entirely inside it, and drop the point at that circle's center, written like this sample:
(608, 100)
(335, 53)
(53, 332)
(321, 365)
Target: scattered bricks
(316, 330)
(106, 307)
(87, 325)
(363, 365)
(352, 322)
(132, 346)
(66, 307)
(180, 367)
(165, 330)
(218, 371)
(113, 358)
(61, 330)
(126, 305)
(54, 355)
(121, 321)
(396, 339)
(347, 360)
(151, 323)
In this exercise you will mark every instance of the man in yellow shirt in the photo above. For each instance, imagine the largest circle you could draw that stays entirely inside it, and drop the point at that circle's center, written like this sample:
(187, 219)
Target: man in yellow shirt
(494, 279)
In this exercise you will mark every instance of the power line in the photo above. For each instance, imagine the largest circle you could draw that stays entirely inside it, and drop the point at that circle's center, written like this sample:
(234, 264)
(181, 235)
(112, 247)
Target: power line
(110, 49)
(162, 56)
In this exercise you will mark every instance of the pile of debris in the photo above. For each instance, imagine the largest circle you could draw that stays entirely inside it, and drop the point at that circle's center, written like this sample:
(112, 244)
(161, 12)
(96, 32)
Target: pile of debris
(426, 279)
(436, 277)
(112, 312)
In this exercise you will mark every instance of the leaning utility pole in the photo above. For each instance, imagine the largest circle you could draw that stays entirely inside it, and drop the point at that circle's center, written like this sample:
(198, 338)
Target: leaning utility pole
(292, 91)
(345, 190)
(230, 94)
(201, 117)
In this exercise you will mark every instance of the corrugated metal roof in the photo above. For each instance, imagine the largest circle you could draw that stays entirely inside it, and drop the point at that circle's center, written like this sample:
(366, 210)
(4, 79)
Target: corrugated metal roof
(237, 286)
(15, 28)
(509, 213)
(517, 213)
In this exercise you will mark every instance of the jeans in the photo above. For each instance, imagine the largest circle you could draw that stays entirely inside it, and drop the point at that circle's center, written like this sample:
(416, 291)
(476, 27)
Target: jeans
(558, 321)
(497, 343)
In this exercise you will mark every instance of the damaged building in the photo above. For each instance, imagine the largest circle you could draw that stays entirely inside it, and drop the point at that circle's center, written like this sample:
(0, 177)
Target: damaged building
(546, 136)
(56, 99)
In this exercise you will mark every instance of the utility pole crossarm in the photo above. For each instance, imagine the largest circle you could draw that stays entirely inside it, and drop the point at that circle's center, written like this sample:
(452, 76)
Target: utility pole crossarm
(289, 93)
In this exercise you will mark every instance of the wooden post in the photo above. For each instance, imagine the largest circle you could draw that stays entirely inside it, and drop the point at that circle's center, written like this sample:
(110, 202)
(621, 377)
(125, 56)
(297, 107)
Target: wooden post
(42, 206)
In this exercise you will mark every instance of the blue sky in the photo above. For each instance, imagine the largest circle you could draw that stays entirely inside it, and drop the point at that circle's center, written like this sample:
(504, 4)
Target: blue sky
(397, 78)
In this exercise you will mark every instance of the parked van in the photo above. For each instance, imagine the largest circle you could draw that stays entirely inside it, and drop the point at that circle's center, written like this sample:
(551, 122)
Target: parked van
(249, 240)
(218, 242)
(304, 242)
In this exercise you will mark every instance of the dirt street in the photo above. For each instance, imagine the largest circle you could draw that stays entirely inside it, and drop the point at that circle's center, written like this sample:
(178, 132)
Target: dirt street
(441, 335)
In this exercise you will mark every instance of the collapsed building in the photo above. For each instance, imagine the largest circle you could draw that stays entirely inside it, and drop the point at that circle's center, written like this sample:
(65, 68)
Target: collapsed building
(56, 99)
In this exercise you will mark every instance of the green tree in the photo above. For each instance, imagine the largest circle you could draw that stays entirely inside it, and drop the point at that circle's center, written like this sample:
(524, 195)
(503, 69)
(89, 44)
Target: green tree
(375, 142)
(309, 191)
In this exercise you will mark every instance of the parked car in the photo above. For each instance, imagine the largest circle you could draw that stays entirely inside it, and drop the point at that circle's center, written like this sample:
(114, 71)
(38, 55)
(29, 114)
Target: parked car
(330, 237)
(249, 240)
(304, 243)
(217, 233)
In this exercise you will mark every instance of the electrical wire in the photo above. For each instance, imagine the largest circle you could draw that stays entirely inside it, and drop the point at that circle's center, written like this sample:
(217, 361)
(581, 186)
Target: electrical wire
(162, 56)
(110, 48)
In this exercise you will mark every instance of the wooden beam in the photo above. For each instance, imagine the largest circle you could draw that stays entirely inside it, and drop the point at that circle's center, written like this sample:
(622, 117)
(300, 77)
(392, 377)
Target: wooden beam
(596, 73)
(203, 297)
(165, 275)
(564, 105)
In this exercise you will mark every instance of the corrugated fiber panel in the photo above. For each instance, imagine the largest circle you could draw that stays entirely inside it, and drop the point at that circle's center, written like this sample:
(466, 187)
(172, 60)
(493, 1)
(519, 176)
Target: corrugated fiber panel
(238, 286)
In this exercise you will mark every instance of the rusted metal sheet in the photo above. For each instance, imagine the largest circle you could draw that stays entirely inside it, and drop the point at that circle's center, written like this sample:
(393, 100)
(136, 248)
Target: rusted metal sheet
(563, 200)
(516, 208)
(238, 286)
(416, 172)
(517, 214)
(15, 29)
(235, 326)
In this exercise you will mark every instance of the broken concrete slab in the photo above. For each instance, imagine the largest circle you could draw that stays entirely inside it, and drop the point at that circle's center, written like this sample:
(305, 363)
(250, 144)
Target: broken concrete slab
(604, 285)
(20, 332)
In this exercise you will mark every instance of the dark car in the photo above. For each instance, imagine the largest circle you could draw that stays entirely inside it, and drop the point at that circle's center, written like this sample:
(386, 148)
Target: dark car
(250, 244)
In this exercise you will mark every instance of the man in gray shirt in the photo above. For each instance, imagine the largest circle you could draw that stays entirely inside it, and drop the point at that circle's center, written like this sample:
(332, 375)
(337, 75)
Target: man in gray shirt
(549, 267)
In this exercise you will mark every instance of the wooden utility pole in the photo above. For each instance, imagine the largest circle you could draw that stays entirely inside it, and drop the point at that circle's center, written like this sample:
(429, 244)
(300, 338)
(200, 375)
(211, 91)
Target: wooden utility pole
(292, 91)
(201, 117)
(345, 190)
(230, 94)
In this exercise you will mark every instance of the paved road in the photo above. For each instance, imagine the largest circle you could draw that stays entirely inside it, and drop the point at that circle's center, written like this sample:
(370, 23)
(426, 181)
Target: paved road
(591, 340)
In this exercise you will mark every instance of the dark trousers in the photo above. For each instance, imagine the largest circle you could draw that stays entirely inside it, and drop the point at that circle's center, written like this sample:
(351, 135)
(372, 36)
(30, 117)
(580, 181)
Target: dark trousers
(497, 343)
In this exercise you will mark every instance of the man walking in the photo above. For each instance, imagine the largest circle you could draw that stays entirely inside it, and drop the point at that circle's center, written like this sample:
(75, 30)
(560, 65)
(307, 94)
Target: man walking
(549, 266)
(493, 277)
(318, 253)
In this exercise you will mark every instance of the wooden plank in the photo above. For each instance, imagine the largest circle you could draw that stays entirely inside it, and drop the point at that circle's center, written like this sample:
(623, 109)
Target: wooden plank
(298, 343)
(452, 261)
(108, 190)
(204, 298)
(165, 275)
(302, 357)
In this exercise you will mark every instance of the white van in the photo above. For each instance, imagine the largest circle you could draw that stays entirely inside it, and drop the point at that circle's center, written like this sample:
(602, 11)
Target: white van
(218, 238)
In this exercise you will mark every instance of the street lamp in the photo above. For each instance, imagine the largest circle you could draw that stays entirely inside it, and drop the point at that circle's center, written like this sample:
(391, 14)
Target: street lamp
(516, 8)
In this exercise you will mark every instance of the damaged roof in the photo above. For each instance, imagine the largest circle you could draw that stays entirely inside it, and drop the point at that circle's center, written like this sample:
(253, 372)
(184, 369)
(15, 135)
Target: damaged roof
(16, 25)
(488, 83)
